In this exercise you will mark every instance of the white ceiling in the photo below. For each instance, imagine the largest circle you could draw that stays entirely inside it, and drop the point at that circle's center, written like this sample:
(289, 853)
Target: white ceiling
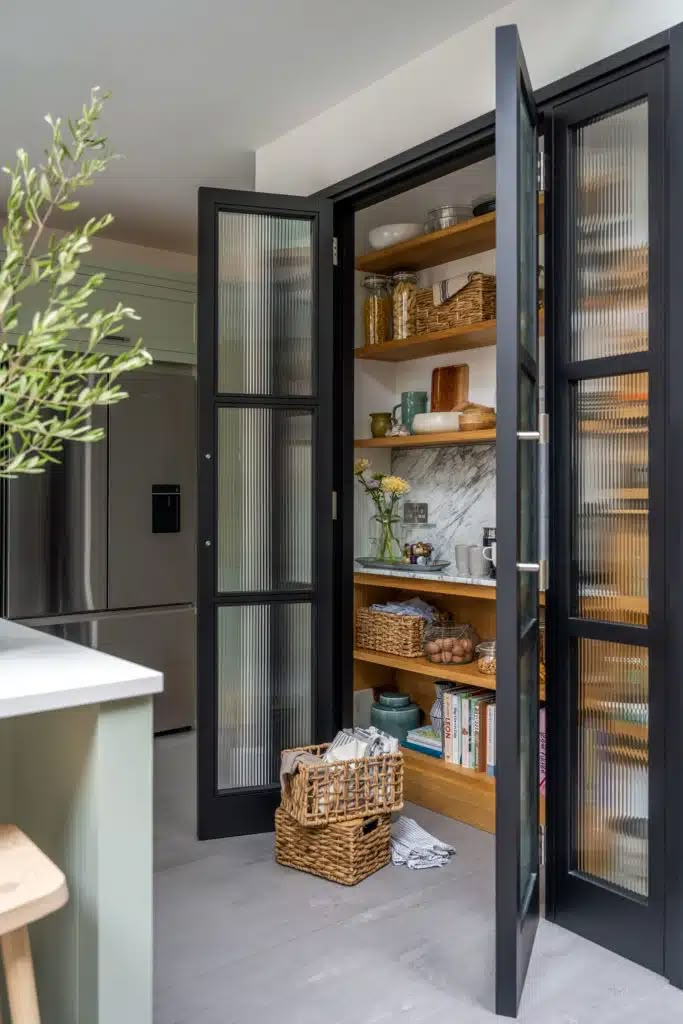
(198, 86)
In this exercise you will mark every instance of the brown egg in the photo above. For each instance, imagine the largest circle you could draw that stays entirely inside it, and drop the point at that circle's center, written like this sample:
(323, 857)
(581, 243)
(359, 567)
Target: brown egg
(431, 647)
(447, 657)
(447, 643)
(458, 647)
(467, 646)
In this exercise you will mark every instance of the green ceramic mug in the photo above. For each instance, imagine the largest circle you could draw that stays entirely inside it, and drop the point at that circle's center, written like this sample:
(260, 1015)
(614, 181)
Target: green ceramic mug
(412, 402)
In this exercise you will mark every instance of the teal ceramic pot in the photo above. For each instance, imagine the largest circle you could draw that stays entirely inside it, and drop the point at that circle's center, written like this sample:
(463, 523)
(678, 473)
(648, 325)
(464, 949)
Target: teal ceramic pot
(394, 713)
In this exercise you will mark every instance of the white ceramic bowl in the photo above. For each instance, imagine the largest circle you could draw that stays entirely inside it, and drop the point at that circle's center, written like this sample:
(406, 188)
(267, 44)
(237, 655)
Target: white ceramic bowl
(435, 422)
(390, 234)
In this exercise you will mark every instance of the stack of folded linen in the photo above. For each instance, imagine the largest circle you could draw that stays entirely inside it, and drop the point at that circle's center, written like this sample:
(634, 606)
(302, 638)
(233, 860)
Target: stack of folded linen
(412, 845)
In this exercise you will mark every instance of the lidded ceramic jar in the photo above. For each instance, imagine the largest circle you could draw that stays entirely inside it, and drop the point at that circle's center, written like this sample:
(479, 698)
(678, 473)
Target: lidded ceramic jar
(396, 714)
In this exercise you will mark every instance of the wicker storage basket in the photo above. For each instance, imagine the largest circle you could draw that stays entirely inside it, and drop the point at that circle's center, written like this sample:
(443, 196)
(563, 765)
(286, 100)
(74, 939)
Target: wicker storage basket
(473, 303)
(345, 852)
(391, 634)
(320, 794)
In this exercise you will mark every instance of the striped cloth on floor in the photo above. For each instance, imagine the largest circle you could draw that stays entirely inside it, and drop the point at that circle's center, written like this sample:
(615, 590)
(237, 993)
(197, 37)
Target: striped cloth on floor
(411, 845)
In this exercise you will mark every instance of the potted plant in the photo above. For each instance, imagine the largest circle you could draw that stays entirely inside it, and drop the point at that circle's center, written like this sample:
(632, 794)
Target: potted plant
(47, 390)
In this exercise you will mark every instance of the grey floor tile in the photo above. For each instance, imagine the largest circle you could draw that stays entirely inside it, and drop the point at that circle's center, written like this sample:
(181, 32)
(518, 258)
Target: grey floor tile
(240, 940)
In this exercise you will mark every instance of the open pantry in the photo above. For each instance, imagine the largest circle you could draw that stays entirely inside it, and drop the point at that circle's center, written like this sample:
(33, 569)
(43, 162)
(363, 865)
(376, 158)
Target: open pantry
(442, 362)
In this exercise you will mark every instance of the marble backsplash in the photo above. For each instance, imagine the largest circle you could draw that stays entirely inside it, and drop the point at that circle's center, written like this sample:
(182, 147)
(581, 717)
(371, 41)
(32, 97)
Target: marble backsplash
(459, 485)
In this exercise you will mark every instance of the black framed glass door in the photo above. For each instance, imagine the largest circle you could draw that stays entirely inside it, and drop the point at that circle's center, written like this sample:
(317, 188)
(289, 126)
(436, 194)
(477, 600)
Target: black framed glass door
(517, 617)
(608, 668)
(264, 670)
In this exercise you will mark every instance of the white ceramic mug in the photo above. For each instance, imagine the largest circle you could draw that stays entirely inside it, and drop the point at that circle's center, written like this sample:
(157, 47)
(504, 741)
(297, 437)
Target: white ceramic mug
(489, 553)
(478, 567)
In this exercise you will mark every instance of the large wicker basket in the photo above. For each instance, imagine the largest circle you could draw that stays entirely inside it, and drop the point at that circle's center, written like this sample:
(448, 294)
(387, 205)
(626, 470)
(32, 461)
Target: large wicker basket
(320, 794)
(389, 633)
(473, 303)
(345, 852)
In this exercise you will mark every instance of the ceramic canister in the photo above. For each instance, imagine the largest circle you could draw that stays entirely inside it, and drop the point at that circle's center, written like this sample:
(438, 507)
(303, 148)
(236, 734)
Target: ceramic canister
(394, 713)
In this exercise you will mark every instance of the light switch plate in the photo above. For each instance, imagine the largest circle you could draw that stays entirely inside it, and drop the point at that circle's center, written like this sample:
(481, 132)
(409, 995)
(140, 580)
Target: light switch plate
(416, 513)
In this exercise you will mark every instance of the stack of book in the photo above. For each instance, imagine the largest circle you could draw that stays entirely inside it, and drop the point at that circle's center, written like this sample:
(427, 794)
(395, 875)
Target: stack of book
(469, 728)
(424, 740)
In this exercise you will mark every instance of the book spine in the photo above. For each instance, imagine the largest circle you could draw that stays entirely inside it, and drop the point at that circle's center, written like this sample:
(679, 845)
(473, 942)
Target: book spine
(457, 735)
(466, 732)
(491, 740)
(446, 726)
(475, 730)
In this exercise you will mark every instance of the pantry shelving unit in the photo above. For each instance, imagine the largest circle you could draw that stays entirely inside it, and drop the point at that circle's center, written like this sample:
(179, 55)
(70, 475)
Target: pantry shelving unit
(461, 793)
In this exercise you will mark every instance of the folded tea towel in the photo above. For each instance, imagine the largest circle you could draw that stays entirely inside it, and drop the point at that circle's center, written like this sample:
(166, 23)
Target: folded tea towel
(442, 291)
(413, 606)
(411, 845)
(354, 744)
(290, 761)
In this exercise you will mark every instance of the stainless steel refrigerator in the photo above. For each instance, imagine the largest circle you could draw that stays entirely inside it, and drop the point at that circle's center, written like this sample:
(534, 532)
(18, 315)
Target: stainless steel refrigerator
(101, 548)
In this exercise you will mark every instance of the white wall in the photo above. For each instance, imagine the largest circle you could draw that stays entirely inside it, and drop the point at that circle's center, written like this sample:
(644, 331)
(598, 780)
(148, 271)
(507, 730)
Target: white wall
(452, 84)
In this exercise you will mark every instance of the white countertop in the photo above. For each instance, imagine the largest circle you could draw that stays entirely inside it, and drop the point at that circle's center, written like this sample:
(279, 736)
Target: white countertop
(441, 576)
(39, 672)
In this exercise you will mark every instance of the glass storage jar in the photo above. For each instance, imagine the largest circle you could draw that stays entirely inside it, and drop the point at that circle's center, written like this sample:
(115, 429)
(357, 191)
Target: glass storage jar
(404, 299)
(377, 310)
(487, 657)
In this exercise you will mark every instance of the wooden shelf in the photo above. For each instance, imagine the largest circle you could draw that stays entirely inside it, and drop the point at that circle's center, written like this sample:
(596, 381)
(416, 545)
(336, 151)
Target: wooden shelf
(465, 239)
(468, 238)
(421, 666)
(428, 440)
(435, 343)
(435, 586)
(460, 793)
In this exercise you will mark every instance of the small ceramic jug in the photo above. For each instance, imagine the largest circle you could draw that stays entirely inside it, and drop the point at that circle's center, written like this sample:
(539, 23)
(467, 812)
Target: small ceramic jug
(411, 403)
(380, 423)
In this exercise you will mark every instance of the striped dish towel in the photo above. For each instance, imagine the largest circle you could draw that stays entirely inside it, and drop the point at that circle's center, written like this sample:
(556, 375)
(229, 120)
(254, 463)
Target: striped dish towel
(411, 845)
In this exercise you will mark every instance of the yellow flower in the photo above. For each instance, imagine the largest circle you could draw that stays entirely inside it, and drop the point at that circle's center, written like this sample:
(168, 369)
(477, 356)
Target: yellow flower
(360, 465)
(394, 485)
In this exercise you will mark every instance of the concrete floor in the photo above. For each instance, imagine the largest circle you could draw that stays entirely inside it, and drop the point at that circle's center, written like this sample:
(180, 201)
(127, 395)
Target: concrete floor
(240, 940)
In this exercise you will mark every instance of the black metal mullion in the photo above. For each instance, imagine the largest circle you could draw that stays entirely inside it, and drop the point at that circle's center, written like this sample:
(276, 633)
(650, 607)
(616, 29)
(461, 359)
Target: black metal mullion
(610, 632)
(242, 597)
(608, 366)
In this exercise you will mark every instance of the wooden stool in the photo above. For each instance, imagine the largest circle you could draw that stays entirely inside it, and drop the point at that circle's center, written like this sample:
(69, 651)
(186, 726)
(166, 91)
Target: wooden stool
(31, 887)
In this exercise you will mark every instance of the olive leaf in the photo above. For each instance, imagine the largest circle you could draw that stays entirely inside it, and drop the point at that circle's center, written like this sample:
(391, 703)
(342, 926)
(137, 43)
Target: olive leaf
(48, 389)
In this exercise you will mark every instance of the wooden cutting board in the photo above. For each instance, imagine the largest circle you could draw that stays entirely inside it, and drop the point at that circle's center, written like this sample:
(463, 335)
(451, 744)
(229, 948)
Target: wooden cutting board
(450, 387)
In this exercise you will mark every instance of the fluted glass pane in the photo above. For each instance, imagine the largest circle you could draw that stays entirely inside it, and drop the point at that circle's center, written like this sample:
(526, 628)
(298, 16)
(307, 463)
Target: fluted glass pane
(612, 788)
(265, 499)
(610, 473)
(264, 690)
(610, 279)
(264, 317)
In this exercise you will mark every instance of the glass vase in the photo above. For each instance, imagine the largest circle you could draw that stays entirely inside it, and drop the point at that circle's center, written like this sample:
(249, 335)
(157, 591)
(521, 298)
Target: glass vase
(389, 547)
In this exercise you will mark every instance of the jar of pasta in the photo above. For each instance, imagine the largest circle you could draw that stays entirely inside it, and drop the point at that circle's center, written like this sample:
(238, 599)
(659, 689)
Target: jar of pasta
(404, 300)
(377, 310)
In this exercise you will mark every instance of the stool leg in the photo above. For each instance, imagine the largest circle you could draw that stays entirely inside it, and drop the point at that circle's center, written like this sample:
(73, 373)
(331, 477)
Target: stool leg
(21, 982)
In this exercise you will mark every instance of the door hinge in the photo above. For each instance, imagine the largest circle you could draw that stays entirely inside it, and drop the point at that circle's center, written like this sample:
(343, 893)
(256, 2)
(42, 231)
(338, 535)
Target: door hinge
(540, 171)
(335, 252)
(334, 506)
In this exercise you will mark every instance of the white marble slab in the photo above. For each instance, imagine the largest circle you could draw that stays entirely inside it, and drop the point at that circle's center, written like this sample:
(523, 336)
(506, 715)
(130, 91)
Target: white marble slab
(39, 672)
(440, 576)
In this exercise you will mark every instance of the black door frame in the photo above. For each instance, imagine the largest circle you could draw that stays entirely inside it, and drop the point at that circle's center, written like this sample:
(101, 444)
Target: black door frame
(237, 812)
(447, 152)
(630, 926)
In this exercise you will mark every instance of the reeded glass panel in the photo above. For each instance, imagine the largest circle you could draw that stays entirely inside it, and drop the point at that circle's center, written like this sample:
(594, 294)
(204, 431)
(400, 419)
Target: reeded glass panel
(528, 764)
(612, 785)
(610, 279)
(610, 474)
(265, 499)
(264, 690)
(264, 318)
(528, 232)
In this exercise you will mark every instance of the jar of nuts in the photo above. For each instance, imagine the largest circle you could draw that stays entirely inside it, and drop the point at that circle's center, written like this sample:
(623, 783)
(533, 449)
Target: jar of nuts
(404, 298)
(450, 645)
(487, 657)
(377, 310)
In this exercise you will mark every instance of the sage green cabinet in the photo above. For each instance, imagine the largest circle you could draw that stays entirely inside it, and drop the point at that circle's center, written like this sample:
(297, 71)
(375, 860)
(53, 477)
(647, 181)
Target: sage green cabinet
(165, 301)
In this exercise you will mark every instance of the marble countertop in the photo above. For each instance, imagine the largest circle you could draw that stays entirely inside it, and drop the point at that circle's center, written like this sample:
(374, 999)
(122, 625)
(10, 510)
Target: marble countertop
(39, 672)
(441, 576)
